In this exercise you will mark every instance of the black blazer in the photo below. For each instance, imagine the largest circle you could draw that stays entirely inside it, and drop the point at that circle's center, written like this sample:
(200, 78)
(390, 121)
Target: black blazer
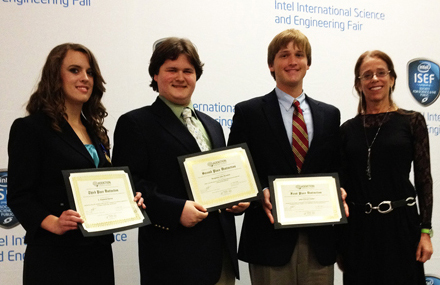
(149, 140)
(36, 188)
(258, 122)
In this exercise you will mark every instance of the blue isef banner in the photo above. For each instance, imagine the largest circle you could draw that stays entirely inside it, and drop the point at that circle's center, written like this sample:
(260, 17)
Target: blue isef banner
(7, 218)
(431, 280)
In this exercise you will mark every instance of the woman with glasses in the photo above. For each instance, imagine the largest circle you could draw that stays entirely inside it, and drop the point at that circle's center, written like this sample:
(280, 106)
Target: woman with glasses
(387, 240)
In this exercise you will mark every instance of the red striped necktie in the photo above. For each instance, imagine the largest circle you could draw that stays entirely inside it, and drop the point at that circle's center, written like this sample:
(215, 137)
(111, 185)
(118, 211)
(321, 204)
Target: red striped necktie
(300, 139)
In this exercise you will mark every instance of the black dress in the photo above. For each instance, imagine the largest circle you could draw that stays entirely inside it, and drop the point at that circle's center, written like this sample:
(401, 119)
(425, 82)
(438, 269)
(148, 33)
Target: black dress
(381, 248)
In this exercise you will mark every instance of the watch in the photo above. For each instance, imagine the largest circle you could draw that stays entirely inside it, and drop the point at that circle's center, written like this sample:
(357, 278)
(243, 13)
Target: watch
(430, 232)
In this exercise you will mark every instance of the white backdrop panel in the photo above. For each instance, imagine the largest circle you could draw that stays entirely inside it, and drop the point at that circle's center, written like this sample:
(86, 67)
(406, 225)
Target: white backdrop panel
(232, 39)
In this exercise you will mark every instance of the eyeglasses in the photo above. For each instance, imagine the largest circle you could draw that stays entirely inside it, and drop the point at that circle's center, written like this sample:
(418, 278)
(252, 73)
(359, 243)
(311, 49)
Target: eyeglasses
(379, 74)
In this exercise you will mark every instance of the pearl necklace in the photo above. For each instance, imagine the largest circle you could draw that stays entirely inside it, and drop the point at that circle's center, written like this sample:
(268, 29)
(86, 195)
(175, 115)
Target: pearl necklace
(369, 146)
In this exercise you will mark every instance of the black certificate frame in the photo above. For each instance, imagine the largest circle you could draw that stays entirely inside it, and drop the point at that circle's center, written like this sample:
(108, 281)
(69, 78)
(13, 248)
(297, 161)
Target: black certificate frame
(182, 159)
(66, 175)
(278, 225)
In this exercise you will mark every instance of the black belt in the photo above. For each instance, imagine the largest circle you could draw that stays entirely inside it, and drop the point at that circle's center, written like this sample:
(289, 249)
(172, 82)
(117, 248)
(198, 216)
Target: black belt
(385, 207)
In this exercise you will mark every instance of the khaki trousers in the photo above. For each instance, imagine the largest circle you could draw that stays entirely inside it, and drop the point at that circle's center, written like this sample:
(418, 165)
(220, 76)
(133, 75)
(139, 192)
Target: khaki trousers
(302, 269)
(227, 276)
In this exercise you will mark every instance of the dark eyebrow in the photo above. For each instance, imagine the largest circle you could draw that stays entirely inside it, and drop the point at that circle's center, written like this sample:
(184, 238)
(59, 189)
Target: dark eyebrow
(75, 65)
(284, 51)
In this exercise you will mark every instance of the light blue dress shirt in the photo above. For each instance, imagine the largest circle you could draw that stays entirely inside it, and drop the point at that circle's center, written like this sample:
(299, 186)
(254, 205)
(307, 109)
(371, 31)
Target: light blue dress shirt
(287, 109)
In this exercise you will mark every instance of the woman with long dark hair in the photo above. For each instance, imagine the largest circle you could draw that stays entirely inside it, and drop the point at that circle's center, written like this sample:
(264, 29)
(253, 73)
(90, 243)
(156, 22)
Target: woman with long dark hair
(63, 130)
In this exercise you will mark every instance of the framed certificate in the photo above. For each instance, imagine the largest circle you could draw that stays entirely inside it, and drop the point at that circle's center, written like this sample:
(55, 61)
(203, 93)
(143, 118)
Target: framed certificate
(306, 200)
(104, 199)
(220, 178)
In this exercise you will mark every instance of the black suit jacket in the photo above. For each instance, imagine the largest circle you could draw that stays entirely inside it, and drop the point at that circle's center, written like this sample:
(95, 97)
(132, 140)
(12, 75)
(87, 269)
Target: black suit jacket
(36, 188)
(258, 123)
(149, 140)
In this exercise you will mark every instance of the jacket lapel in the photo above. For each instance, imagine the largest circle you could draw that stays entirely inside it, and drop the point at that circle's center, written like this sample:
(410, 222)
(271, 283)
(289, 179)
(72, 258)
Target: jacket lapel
(271, 109)
(69, 136)
(317, 116)
(171, 124)
(217, 140)
(103, 162)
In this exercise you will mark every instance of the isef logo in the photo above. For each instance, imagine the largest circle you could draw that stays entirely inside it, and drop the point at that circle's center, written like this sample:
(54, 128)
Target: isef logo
(423, 80)
(432, 280)
(7, 218)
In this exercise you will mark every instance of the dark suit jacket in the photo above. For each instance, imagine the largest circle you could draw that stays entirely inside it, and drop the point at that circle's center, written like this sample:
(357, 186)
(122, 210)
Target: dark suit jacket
(149, 140)
(258, 122)
(36, 188)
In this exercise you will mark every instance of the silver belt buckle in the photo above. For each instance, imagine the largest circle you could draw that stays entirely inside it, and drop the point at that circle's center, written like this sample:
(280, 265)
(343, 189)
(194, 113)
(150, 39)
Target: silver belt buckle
(390, 207)
(410, 201)
(370, 208)
(368, 211)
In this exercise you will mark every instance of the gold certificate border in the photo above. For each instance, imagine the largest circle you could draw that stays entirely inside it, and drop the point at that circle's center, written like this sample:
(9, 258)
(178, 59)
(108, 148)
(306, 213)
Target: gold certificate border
(238, 154)
(72, 179)
(75, 179)
(331, 179)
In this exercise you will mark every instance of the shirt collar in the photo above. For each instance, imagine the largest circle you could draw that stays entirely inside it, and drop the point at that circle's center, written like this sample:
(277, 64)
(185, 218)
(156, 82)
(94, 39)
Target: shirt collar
(286, 100)
(177, 109)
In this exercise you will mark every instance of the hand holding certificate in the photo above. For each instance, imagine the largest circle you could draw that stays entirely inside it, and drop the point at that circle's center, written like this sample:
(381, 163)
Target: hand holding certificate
(220, 178)
(306, 200)
(104, 199)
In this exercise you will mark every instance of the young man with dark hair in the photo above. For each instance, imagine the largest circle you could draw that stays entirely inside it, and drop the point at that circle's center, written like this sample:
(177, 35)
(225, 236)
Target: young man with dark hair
(184, 244)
